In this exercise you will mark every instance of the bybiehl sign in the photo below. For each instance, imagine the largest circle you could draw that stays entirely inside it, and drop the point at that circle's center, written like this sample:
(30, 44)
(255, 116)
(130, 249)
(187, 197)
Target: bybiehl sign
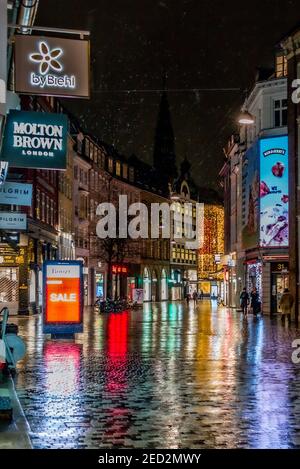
(35, 140)
(52, 66)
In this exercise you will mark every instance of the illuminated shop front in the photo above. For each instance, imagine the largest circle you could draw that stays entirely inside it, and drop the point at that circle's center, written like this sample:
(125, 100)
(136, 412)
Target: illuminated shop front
(279, 281)
(265, 220)
(99, 284)
(191, 276)
(254, 276)
(125, 278)
(147, 284)
(164, 286)
(270, 278)
(231, 286)
(176, 285)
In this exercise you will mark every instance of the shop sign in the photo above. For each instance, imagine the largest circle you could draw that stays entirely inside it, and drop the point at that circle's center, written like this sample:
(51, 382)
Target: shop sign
(217, 258)
(35, 140)
(14, 237)
(52, 66)
(63, 297)
(274, 192)
(16, 193)
(13, 221)
(280, 267)
(8, 260)
(119, 269)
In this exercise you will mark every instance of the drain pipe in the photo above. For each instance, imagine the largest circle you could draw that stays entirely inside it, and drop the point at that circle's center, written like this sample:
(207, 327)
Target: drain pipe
(24, 13)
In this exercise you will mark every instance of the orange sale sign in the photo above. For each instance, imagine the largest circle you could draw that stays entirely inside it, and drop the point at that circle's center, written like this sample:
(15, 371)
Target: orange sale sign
(62, 293)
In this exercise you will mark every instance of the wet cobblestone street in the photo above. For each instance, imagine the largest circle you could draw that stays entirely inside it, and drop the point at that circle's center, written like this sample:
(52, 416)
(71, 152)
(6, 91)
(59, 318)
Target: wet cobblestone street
(162, 377)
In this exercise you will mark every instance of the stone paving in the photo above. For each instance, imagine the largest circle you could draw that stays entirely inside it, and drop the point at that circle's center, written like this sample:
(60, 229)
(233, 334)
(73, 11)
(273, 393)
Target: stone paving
(163, 377)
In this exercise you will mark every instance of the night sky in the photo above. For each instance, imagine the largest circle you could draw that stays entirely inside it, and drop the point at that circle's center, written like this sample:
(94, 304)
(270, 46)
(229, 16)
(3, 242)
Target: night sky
(200, 43)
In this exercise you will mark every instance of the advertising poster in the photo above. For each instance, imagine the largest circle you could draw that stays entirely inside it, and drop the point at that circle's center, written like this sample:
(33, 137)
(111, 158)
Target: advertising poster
(250, 198)
(63, 304)
(274, 192)
(13, 221)
(138, 295)
(52, 66)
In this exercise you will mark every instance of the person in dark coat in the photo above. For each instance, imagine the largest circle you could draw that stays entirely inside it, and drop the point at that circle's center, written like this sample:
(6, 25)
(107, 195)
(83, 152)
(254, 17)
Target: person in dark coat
(255, 302)
(244, 301)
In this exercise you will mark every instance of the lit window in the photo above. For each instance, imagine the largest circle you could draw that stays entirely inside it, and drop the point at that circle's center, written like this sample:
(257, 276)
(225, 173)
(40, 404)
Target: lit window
(118, 168)
(281, 66)
(110, 165)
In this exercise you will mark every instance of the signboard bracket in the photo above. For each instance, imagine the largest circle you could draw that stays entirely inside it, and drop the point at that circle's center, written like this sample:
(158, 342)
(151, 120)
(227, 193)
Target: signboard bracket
(76, 32)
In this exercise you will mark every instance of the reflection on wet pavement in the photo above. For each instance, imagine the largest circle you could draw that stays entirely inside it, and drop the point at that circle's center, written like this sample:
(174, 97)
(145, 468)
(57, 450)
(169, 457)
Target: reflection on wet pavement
(163, 377)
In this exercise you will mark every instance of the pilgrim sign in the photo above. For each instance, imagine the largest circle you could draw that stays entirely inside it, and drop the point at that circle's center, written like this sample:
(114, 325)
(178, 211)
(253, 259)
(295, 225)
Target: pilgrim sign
(52, 66)
(35, 140)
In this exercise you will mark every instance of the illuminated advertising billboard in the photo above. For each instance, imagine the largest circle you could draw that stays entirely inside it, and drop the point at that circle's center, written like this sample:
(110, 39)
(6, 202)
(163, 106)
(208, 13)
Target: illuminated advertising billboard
(35, 140)
(250, 198)
(274, 192)
(52, 66)
(63, 297)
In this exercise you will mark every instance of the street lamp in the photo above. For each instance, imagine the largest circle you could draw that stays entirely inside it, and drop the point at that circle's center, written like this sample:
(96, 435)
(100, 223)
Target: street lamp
(245, 118)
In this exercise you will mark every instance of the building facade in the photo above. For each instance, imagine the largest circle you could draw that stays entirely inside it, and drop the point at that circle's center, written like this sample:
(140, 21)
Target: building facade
(209, 256)
(291, 56)
(255, 176)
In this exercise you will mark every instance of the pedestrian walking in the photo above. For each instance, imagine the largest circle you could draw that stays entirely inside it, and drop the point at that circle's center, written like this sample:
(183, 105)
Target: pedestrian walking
(187, 297)
(244, 301)
(286, 305)
(201, 294)
(195, 297)
(255, 302)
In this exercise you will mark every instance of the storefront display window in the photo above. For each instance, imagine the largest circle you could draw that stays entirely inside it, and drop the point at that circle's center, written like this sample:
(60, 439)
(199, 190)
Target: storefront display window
(254, 277)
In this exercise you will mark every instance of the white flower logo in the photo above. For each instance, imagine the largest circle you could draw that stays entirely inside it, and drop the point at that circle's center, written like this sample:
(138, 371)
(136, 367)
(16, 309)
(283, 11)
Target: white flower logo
(47, 58)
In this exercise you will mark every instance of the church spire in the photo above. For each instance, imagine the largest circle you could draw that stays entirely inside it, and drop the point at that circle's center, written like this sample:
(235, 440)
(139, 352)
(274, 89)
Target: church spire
(164, 158)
